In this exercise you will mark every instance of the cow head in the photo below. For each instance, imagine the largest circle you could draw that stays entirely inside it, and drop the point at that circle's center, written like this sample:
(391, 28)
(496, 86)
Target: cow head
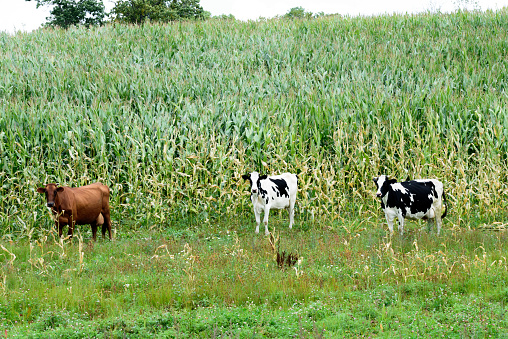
(50, 190)
(383, 184)
(254, 179)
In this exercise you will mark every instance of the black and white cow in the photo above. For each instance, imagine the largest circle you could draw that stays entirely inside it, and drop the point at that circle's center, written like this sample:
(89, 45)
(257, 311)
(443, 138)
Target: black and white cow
(413, 199)
(272, 192)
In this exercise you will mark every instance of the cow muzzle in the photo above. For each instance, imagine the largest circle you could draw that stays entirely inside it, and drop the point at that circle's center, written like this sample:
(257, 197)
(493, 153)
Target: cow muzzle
(51, 204)
(379, 195)
(254, 191)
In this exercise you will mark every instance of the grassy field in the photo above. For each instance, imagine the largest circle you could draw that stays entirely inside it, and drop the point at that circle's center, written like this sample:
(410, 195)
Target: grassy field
(223, 281)
(171, 116)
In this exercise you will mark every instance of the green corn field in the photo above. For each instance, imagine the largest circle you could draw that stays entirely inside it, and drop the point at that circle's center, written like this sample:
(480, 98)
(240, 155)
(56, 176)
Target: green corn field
(171, 116)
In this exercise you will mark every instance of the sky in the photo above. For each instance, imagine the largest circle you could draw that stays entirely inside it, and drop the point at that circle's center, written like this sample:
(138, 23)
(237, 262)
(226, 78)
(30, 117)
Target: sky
(22, 15)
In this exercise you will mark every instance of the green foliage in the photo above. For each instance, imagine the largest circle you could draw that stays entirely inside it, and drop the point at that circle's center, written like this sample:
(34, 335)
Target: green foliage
(187, 9)
(298, 13)
(139, 11)
(67, 13)
(171, 116)
(213, 280)
(224, 17)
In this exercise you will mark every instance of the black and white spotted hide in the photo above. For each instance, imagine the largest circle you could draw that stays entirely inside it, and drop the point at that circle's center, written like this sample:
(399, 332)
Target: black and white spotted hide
(412, 199)
(272, 192)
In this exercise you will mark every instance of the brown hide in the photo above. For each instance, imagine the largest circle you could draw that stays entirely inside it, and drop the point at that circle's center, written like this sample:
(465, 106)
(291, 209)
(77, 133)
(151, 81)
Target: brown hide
(65, 220)
(79, 206)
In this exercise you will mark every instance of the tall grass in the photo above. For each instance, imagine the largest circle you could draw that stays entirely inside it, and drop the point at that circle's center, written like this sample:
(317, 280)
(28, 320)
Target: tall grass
(350, 282)
(170, 116)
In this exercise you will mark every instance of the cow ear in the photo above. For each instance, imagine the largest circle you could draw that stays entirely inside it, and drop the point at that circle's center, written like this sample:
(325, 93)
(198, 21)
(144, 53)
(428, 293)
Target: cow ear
(392, 181)
(60, 189)
(246, 177)
(41, 190)
(263, 177)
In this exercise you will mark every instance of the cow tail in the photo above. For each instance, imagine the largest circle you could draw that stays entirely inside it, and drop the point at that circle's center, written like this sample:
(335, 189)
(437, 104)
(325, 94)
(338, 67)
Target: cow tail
(444, 200)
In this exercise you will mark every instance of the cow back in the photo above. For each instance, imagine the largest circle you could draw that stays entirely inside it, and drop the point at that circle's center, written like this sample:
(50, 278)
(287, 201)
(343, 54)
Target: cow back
(287, 183)
(412, 197)
(89, 201)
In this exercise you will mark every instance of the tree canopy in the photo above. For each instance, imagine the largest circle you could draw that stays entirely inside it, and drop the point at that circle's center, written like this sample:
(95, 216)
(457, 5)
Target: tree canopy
(66, 13)
(301, 13)
(139, 11)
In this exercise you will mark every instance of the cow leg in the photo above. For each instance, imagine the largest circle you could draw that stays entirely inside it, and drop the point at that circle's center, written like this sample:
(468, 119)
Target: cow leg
(71, 226)
(265, 219)
(70, 231)
(94, 230)
(401, 223)
(291, 213)
(104, 228)
(61, 222)
(59, 227)
(257, 214)
(438, 222)
(435, 215)
(389, 219)
(107, 224)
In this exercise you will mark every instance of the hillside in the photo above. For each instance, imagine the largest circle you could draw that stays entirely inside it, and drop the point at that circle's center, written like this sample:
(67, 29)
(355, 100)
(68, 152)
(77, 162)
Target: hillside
(171, 116)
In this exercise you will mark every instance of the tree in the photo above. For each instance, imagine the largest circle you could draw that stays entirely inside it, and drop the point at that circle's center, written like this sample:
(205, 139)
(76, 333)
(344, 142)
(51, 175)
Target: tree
(66, 13)
(224, 17)
(298, 13)
(187, 9)
(139, 11)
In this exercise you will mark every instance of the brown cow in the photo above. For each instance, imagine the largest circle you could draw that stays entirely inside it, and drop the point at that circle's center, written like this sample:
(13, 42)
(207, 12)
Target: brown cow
(79, 206)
